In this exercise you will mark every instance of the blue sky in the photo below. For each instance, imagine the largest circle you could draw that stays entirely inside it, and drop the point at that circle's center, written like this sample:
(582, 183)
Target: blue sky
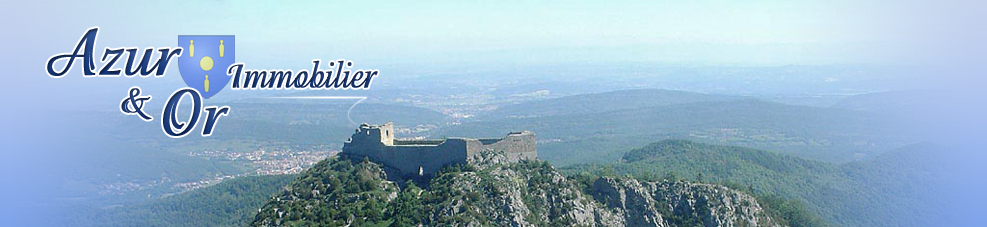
(438, 35)
(442, 35)
(450, 34)
(707, 32)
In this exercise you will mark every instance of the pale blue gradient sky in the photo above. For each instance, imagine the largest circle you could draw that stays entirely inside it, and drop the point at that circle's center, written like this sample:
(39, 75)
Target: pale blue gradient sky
(736, 32)
(435, 35)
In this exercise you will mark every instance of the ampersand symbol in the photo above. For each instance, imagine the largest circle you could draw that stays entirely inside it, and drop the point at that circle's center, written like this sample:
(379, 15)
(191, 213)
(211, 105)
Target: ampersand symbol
(136, 103)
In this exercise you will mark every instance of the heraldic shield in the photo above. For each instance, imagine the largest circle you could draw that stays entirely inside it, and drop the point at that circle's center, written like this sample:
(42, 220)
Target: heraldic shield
(205, 60)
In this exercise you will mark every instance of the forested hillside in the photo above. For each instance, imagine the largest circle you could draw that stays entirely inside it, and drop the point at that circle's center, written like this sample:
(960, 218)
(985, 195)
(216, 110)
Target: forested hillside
(889, 190)
(230, 203)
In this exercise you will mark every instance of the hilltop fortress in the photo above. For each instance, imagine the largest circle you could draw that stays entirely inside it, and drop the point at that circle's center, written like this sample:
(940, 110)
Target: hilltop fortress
(412, 158)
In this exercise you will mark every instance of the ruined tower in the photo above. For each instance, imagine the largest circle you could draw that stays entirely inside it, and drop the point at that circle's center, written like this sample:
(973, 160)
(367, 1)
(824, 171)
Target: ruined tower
(423, 157)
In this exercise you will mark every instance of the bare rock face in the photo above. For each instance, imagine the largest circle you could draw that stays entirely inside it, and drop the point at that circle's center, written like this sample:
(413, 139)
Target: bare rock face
(517, 194)
(632, 201)
(645, 203)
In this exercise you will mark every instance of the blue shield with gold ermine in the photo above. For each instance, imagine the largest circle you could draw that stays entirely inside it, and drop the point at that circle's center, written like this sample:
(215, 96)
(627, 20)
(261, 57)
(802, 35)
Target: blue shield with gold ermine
(204, 62)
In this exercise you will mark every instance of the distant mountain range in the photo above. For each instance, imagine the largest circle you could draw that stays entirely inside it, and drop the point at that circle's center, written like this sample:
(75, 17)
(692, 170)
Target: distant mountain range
(600, 103)
(598, 127)
(900, 103)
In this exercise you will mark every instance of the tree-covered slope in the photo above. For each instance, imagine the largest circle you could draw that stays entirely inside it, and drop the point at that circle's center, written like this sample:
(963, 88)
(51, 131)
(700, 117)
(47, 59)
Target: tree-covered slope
(888, 190)
(230, 203)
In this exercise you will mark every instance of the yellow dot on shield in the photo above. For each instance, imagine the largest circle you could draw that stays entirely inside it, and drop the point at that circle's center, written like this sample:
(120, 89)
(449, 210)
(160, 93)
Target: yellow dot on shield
(206, 63)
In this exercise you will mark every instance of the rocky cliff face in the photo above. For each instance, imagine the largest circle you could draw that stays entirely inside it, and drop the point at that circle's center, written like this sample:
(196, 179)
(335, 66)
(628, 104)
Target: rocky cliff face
(492, 192)
(681, 203)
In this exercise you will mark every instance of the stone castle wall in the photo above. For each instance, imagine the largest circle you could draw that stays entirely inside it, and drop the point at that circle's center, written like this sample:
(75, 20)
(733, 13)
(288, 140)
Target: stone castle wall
(423, 158)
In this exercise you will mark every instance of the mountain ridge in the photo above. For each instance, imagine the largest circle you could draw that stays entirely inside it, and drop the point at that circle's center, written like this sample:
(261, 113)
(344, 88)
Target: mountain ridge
(601, 102)
(834, 135)
(491, 192)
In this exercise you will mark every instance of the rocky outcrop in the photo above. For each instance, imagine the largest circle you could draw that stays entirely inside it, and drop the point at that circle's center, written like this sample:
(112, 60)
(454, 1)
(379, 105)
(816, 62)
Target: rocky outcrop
(645, 203)
(517, 194)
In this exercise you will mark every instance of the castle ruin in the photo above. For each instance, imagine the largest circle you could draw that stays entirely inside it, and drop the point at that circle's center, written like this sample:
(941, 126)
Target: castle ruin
(412, 158)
